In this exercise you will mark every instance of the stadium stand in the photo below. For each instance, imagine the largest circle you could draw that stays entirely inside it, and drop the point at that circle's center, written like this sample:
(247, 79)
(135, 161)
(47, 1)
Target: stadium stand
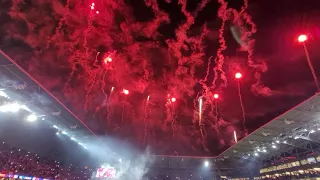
(287, 147)
(49, 148)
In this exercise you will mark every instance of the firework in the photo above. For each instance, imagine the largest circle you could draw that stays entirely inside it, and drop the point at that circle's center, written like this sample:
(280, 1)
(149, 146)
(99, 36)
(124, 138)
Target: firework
(238, 76)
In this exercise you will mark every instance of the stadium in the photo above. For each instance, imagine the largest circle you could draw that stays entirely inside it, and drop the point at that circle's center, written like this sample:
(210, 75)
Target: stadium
(288, 146)
(131, 90)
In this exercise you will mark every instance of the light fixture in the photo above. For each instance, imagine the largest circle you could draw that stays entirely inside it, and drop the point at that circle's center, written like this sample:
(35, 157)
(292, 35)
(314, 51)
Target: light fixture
(273, 146)
(256, 154)
(32, 118)
(277, 141)
(312, 131)
(206, 163)
(57, 133)
(264, 150)
(63, 132)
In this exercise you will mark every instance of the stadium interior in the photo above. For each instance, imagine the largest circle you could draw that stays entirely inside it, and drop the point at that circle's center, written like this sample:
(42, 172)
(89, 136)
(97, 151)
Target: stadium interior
(42, 139)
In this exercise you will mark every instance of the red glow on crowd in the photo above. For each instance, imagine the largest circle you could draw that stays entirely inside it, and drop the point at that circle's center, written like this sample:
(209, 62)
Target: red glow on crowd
(238, 75)
(302, 38)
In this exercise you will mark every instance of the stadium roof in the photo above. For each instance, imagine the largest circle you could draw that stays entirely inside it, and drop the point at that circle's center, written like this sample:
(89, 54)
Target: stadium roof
(294, 133)
(26, 89)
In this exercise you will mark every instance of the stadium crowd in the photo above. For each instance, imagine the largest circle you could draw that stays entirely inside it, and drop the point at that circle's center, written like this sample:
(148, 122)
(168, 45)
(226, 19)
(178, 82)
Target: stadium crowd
(18, 161)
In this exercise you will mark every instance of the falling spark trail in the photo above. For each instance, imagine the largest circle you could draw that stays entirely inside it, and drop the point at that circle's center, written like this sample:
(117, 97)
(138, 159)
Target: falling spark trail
(86, 32)
(60, 24)
(242, 109)
(216, 107)
(205, 79)
(311, 67)
(222, 13)
(200, 109)
(122, 113)
(104, 92)
(145, 119)
(89, 90)
(235, 136)
(109, 107)
(201, 126)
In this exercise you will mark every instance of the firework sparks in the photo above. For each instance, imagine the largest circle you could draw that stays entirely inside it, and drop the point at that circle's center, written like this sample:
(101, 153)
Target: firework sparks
(238, 76)
(83, 45)
(145, 119)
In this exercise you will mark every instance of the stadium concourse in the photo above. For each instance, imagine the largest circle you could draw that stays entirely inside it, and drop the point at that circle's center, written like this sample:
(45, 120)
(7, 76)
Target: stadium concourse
(285, 148)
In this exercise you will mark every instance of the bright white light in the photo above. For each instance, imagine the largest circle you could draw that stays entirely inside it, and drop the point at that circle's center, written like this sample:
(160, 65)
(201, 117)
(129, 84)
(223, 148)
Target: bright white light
(63, 132)
(278, 142)
(206, 163)
(3, 94)
(284, 141)
(54, 126)
(32, 118)
(14, 107)
(235, 136)
(120, 160)
(73, 139)
(256, 154)
(274, 146)
(259, 150)
(80, 143)
(305, 130)
(297, 137)
(318, 129)
(85, 147)
(312, 131)
(264, 150)
(57, 133)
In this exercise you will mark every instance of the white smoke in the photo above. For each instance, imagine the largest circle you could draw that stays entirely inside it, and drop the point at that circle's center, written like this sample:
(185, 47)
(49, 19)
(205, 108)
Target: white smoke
(128, 162)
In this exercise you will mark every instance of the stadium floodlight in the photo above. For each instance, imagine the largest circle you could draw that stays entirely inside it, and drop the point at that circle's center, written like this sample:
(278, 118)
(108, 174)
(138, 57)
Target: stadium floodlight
(264, 151)
(312, 131)
(32, 118)
(206, 163)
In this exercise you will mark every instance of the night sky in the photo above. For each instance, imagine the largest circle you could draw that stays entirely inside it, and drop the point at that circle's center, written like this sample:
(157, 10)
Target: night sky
(167, 49)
